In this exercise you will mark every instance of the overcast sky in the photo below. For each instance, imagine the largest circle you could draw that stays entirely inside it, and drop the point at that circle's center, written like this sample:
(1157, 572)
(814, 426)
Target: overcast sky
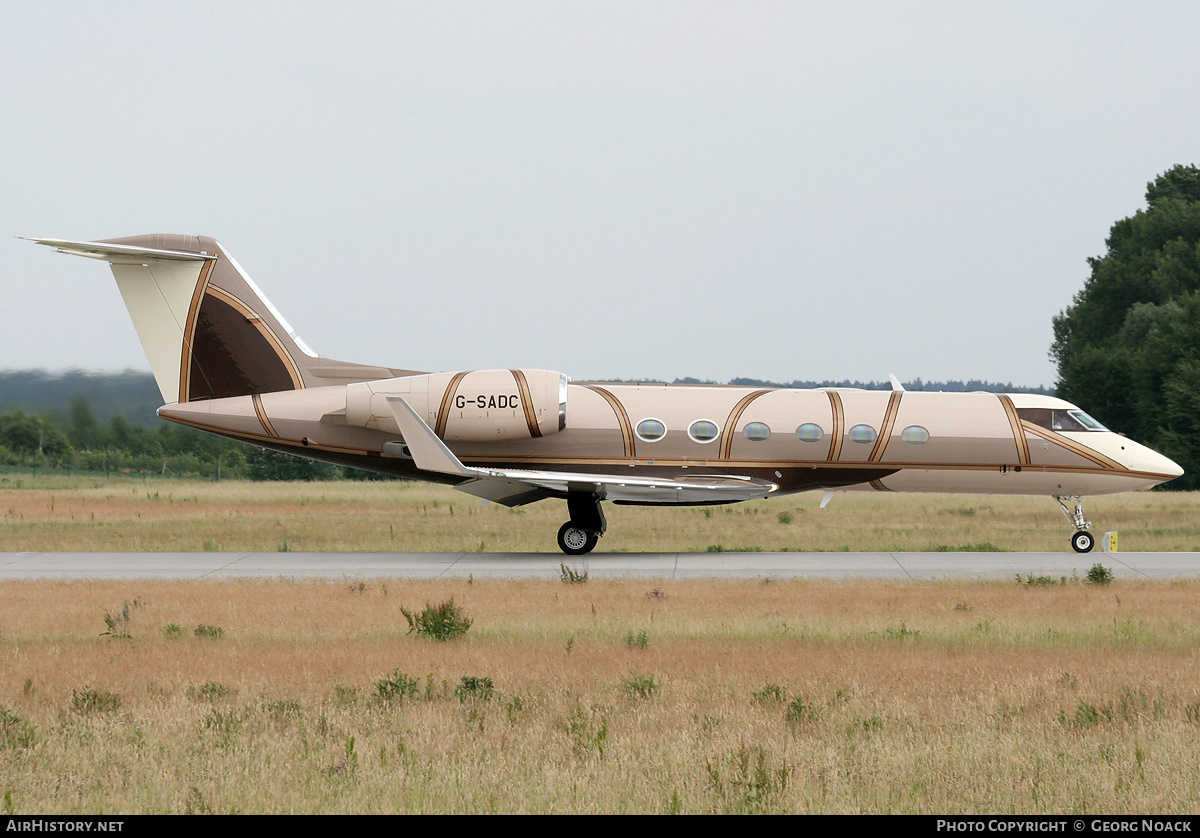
(772, 190)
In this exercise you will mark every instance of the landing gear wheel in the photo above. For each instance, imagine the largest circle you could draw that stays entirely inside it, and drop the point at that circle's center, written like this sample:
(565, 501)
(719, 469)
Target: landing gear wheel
(575, 541)
(1082, 541)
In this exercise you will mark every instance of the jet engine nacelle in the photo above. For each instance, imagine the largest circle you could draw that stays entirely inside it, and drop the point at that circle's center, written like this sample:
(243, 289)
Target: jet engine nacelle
(479, 406)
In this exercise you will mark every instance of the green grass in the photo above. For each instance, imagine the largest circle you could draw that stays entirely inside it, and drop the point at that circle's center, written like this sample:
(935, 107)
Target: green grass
(58, 512)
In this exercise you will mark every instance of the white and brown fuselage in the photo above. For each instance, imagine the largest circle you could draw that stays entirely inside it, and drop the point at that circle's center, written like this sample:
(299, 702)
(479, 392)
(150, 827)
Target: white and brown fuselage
(798, 440)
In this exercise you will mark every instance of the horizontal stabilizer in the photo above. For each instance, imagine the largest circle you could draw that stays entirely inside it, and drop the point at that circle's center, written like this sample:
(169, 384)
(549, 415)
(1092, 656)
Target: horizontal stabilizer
(121, 253)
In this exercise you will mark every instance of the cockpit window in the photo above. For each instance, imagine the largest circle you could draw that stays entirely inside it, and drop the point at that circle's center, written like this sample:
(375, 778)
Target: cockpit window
(1090, 423)
(1059, 420)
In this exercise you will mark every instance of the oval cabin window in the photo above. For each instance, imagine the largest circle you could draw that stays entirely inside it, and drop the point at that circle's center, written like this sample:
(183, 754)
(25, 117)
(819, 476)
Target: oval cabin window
(915, 435)
(810, 432)
(703, 430)
(651, 430)
(756, 432)
(863, 434)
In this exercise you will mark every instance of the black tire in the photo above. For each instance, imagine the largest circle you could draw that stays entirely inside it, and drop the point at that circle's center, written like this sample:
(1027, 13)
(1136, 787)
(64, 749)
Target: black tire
(1083, 542)
(575, 541)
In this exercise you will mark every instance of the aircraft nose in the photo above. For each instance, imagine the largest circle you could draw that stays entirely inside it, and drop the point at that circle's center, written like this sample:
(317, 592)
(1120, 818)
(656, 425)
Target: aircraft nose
(1151, 466)
(1148, 460)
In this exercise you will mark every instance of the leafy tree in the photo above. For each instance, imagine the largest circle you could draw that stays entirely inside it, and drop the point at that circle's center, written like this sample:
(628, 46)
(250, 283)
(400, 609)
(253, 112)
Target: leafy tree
(85, 430)
(20, 432)
(1128, 347)
(23, 433)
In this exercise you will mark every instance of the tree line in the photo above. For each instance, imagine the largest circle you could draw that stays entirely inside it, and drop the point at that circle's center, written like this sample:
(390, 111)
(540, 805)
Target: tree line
(1128, 346)
(79, 441)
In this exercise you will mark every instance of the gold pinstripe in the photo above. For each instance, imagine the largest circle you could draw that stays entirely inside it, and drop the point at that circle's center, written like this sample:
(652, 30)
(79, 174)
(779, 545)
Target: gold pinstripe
(1018, 432)
(839, 425)
(247, 437)
(730, 429)
(885, 432)
(622, 417)
(256, 320)
(189, 330)
(806, 464)
(447, 399)
(527, 402)
(1072, 446)
(261, 412)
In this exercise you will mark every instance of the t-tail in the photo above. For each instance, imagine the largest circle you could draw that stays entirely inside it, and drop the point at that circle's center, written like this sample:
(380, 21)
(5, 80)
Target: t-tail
(206, 328)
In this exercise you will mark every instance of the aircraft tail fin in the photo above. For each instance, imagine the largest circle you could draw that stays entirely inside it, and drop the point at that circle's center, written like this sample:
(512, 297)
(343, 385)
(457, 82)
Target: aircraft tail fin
(206, 328)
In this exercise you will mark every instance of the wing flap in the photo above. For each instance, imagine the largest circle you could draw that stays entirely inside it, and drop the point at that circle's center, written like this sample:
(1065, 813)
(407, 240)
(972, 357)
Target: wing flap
(504, 492)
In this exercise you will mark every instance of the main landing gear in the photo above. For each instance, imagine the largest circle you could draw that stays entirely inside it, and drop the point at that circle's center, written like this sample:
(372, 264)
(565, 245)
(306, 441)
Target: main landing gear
(1082, 541)
(587, 524)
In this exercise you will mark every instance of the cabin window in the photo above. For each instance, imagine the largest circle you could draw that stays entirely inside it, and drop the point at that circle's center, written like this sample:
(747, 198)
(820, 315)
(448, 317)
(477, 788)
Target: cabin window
(651, 430)
(810, 432)
(863, 434)
(703, 430)
(915, 435)
(756, 432)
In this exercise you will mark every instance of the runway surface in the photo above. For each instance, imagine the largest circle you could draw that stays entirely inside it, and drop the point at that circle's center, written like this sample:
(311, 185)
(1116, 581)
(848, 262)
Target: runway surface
(896, 566)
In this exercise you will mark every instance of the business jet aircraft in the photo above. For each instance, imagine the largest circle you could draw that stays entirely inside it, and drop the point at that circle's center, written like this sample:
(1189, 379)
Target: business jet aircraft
(226, 361)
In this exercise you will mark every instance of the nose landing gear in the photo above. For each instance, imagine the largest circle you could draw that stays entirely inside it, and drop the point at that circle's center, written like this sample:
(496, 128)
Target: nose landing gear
(1082, 541)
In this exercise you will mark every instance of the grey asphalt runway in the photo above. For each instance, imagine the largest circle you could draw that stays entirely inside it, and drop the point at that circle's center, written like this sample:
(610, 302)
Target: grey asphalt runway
(894, 566)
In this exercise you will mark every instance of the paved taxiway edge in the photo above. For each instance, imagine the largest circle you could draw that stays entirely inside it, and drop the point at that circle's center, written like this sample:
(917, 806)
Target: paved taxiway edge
(893, 566)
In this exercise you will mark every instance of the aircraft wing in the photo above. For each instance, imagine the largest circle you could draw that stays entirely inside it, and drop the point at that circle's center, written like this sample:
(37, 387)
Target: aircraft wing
(514, 487)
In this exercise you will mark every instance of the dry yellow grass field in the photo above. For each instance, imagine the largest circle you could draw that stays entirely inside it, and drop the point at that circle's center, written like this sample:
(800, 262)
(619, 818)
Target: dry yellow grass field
(606, 696)
(696, 696)
(52, 513)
